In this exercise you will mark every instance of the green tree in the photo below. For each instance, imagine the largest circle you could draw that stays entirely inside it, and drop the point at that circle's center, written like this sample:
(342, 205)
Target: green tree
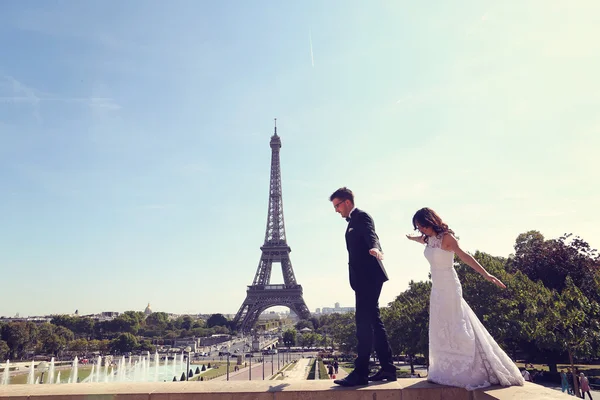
(146, 345)
(78, 345)
(67, 321)
(551, 261)
(18, 336)
(289, 337)
(187, 323)
(4, 350)
(304, 323)
(342, 328)
(220, 329)
(315, 322)
(84, 327)
(570, 269)
(156, 324)
(307, 340)
(125, 342)
(571, 324)
(129, 322)
(407, 321)
(52, 339)
(217, 320)
(199, 323)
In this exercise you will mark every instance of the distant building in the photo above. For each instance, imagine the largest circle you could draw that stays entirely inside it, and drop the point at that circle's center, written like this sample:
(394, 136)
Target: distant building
(148, 310)
(271, 315)
(36, 319)
(214, 339)
(182, 343)
(103, 316)
(335, 310)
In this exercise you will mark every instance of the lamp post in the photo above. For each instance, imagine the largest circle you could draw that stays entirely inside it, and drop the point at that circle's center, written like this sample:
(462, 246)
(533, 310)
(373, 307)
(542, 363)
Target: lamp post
(263, 363)
(188, 349)
(252, 333)
(228, 348)
(272, 364)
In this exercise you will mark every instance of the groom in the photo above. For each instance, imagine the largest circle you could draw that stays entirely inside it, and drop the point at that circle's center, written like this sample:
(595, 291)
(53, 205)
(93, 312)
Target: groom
(366, 279)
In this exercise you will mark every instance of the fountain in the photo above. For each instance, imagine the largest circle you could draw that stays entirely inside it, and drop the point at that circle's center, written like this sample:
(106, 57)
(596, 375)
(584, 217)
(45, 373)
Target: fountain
(31, 376)
(6, 375)
(51, 371)
(146, 368)
(74, 372)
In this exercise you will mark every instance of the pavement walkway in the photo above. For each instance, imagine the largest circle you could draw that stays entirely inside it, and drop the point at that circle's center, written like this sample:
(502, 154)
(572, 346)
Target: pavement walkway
(297, 372)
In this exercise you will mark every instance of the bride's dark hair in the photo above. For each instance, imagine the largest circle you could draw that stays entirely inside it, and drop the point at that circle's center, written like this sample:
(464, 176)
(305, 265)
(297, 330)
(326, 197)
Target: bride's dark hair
(427, 218)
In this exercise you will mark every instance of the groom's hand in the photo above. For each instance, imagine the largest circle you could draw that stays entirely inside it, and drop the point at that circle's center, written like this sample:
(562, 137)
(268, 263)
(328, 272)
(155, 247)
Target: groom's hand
(376, 253)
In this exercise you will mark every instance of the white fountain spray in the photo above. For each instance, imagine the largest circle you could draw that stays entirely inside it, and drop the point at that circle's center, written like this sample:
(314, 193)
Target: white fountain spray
(31, 376)
(175, 365)
(74, 371)
(51, 371)
(156, 365)
(182, 364)
(6, 375)
(99, 364)
(105, 369)
(58, 377)
(166, 365)
(121, 370)
(135, 371)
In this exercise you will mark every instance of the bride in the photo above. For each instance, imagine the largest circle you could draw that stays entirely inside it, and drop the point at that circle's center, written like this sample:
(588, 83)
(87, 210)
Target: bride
(461, 351)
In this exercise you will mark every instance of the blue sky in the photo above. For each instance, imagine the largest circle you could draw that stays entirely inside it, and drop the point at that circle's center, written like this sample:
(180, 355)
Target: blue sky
(134, 140)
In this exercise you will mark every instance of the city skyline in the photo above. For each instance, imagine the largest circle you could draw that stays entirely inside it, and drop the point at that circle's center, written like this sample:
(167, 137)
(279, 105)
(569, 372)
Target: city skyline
(134, 141)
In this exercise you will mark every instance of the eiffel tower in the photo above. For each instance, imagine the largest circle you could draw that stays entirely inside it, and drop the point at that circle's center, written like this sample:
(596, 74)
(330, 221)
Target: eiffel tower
(261, 294)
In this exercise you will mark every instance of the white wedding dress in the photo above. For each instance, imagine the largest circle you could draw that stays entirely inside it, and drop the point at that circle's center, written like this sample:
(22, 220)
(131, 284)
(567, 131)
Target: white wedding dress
(461, 351)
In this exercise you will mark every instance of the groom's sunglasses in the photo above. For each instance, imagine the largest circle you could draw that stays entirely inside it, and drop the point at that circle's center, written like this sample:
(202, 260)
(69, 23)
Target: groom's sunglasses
(335, 206)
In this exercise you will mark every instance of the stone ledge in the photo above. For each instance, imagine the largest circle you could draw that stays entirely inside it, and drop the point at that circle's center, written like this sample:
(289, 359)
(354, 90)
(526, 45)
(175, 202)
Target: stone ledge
(403, 389)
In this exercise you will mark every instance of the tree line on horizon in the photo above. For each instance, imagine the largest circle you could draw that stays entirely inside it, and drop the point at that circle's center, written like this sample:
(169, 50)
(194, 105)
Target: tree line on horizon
(129, 331)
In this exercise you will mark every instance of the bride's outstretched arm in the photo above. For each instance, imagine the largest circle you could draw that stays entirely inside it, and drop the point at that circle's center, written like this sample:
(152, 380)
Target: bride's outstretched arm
(418, 239)
(450, 243)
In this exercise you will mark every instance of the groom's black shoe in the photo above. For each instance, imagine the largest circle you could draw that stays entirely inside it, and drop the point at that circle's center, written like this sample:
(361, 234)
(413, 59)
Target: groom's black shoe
(383, 375)
(352, 380)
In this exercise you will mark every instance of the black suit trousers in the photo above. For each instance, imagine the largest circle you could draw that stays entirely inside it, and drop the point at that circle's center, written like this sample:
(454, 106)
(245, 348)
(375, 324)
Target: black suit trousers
(370, 330)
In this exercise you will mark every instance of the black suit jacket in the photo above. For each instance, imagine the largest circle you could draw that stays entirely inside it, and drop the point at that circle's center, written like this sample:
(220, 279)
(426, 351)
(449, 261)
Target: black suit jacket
(365, 270)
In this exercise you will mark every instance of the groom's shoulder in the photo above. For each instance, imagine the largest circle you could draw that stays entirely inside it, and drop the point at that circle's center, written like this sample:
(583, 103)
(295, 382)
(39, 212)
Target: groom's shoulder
(361, 214)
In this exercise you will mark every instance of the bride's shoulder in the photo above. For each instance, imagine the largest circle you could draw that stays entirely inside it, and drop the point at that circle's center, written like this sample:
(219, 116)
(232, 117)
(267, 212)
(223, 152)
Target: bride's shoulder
(445, 235)
(448, 240)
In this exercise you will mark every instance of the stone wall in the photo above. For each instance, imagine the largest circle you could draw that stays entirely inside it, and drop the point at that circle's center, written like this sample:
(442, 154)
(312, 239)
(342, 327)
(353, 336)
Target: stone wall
(403, 389)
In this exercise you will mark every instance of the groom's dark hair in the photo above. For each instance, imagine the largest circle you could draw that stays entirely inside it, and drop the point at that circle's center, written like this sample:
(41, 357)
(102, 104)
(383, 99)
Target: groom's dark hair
(342, 193)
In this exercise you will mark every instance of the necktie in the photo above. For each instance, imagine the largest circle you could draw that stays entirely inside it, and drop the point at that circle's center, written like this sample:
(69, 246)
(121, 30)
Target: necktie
(348, 219)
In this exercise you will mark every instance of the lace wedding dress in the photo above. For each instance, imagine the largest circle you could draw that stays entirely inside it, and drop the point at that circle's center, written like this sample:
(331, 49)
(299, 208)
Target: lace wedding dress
(461, 351)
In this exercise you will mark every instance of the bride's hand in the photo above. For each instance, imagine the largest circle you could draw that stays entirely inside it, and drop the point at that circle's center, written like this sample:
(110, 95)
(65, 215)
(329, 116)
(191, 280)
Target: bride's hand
(496, 281)
(415, 238)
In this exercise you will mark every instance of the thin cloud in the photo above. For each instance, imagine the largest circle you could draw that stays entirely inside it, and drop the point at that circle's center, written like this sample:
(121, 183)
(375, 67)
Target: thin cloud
(21, 93)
